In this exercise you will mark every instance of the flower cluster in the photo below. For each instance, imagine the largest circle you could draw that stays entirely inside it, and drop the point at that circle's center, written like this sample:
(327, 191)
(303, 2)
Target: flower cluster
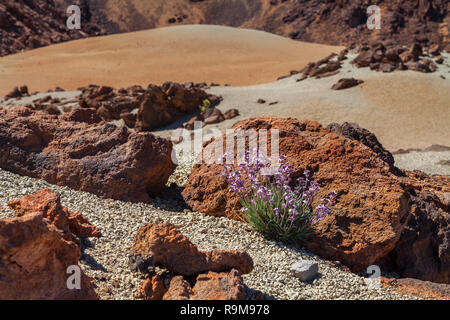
(275, 205)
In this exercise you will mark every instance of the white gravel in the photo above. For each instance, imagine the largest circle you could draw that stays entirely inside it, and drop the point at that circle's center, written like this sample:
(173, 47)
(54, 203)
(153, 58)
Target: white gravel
(106, 259)
(437, 162)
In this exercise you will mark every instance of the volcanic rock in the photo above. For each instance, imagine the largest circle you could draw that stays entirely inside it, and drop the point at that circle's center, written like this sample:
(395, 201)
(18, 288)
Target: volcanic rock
(346, 83)
(212, 116)
(231, 113)
(151, 289)
(96, 157)
(388, 57)
(145, 109)
(179, 289)
(208, 286)
(423, 250)
(169, 248)
(419, 288)
(435, 50)
(48, 204)
(32, 24)
(399, 216)
(17, 93)
(371, 207)
(218, 286)
(355, 132)
(35, 253)
(160, 106)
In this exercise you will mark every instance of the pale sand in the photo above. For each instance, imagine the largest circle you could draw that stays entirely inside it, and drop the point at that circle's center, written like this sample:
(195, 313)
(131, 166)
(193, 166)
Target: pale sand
(405, 109)
(196, 53)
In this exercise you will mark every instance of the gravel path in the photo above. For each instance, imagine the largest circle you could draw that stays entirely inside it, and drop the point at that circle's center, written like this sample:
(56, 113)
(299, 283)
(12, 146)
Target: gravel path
(105, 259)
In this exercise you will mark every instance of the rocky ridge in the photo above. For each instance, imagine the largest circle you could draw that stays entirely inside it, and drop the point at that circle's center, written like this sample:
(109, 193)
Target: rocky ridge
(32, 24)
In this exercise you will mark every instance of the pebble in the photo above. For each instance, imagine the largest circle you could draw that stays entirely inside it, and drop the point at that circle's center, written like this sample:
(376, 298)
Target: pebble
(305, 270)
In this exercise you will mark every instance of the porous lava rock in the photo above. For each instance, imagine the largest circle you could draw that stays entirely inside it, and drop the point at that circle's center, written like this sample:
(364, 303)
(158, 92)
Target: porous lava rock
(346, 83)
(48, 204)
(208, 286)
(383, 215)
(371, 206)
(193, 274)
(38, 246)
(77, 151)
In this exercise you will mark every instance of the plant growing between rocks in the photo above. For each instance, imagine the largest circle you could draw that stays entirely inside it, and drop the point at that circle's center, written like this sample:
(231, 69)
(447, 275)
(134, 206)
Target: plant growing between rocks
(274, 205)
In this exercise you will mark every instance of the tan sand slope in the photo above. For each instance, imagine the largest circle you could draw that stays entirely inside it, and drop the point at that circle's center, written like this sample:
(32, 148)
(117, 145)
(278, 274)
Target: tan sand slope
(197, 53)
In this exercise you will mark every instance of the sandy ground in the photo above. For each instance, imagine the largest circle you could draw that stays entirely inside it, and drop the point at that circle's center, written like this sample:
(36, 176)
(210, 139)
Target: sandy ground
(197, 53)
(405, 109)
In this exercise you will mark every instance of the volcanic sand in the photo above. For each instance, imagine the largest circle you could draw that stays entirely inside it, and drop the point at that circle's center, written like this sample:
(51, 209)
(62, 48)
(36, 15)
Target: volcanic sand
(405, 109)
(194, 53)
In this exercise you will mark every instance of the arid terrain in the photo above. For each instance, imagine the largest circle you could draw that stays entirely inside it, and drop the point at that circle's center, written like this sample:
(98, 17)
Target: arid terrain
(185, 53)
(98, 169)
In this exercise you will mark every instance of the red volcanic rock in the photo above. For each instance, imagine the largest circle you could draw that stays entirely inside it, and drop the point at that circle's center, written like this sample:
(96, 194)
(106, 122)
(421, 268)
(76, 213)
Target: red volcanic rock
(155, 110)
(371, 206)
(217, 275)
(419, 288)
(179, 289)
(167, 247)
(156, 106)
(208, 286)
(151, 289)
(231, 113)
(346, 83)
(355, 132)
(383, 215)
(160, 106)
(96, 157)
(34, 257)
(423, 250)
(109, 103)
(48, 204)
(212, 116)
(187, 99)
(219, 286)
